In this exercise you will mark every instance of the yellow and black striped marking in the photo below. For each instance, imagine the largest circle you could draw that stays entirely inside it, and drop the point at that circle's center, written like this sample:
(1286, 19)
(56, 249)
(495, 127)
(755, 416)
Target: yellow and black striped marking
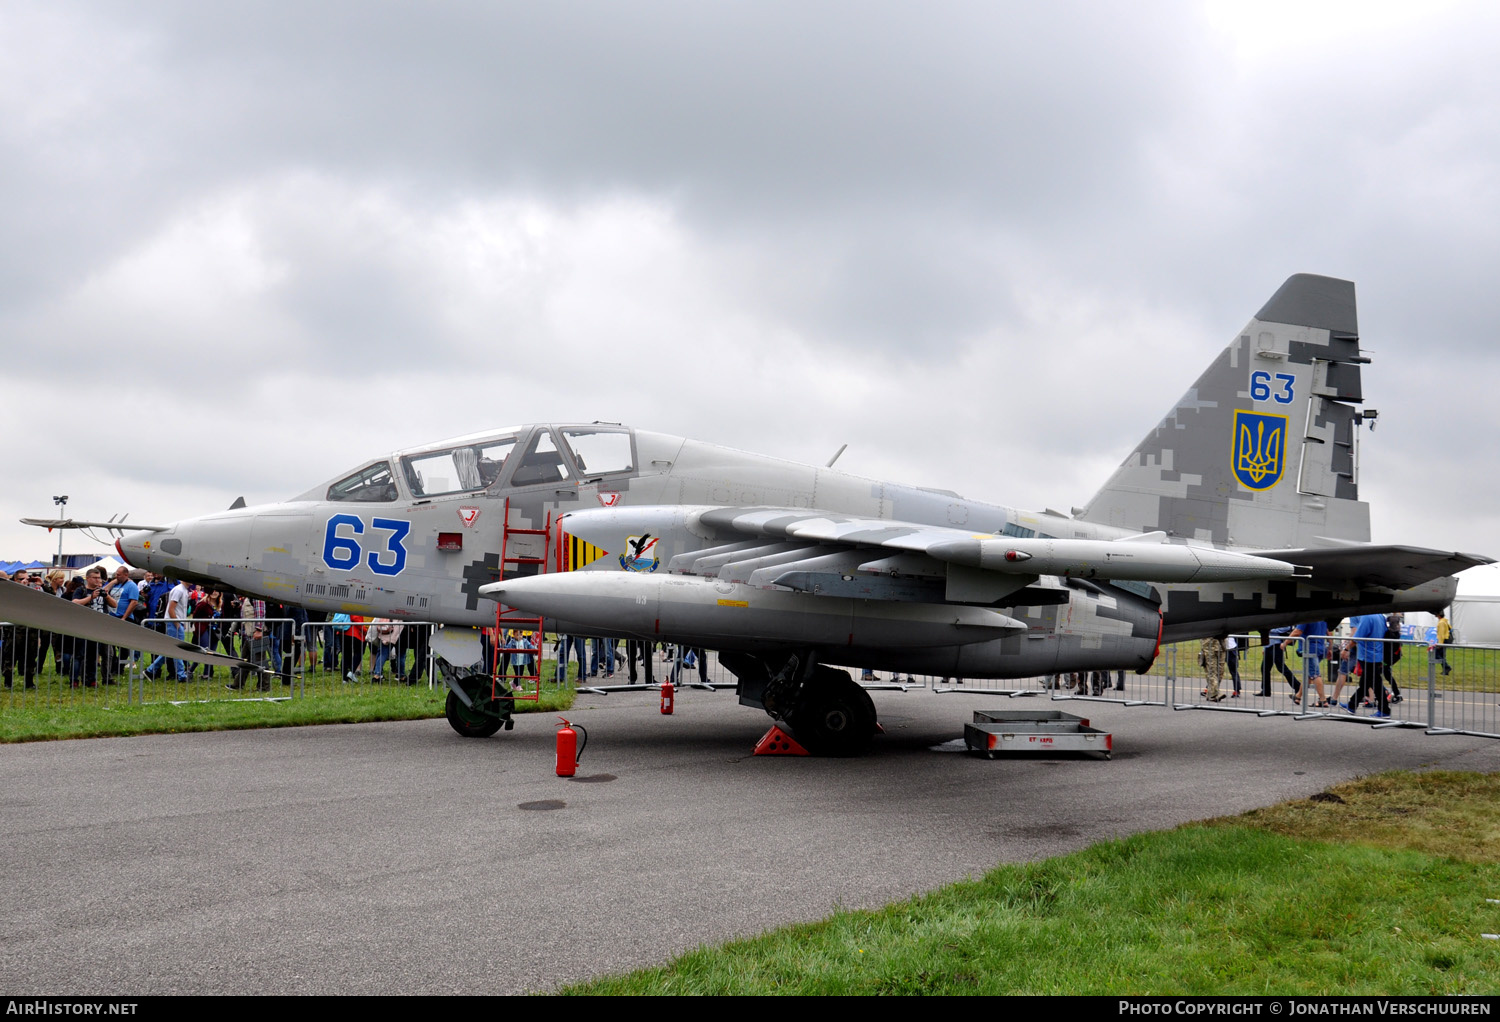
(580, 553)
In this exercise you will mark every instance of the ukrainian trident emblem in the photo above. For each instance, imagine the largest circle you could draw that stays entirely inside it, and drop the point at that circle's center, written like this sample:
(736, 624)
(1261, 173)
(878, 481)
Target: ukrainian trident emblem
(1259, 449)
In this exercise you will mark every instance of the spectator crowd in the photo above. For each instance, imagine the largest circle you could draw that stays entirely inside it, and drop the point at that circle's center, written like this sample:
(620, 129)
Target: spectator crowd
(1359, 655)
(279, 637)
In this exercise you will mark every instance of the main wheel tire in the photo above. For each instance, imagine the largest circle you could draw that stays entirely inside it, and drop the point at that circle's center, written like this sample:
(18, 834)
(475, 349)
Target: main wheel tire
(472, 722)
(835, 717)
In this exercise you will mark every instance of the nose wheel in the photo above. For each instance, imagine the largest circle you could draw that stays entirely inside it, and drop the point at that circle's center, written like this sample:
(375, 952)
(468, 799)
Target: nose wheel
(483, 715)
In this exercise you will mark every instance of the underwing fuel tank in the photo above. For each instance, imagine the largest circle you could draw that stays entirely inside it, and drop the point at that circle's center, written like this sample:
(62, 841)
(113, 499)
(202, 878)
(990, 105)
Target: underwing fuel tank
(731, 615)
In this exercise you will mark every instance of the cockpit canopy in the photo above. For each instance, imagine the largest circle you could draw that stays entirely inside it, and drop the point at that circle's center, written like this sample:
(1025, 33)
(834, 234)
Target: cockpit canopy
(373, 484)
(462, 469)
(549, 456)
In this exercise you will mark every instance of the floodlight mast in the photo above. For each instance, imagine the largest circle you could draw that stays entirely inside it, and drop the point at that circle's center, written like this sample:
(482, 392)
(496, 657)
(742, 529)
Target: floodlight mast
(62, 505)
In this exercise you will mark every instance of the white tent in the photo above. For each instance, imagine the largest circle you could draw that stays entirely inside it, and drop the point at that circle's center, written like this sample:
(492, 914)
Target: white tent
(1476, 620)
(107, 564)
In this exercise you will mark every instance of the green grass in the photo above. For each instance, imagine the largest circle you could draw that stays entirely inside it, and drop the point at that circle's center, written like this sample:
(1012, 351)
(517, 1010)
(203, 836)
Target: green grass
(1380, 892)
(54, 710)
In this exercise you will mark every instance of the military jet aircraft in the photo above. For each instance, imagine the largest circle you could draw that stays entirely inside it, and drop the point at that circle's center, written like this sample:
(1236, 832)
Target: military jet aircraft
(1239, 511)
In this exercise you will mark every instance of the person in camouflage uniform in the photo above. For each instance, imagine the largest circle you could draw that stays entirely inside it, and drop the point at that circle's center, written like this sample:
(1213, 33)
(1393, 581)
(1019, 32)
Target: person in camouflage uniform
(1212, 656)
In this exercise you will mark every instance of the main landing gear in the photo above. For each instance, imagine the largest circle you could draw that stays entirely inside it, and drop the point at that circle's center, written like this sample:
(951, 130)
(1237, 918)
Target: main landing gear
(834, 716)
(828, 711)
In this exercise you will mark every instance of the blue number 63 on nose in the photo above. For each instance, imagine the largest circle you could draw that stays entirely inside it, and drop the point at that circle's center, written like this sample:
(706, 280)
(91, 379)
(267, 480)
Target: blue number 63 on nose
(342, 550)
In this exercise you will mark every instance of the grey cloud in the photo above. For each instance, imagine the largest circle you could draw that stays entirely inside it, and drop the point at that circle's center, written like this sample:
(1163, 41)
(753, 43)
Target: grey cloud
(755, 102)
(824, 113)
(868, 191)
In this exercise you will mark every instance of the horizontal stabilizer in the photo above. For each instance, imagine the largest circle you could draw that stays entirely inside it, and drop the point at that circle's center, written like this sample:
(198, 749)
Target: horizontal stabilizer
(1368, 564)
(22, 605)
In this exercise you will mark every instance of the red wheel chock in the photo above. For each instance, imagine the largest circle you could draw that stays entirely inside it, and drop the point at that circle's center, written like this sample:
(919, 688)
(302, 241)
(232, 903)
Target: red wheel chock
(777, 742)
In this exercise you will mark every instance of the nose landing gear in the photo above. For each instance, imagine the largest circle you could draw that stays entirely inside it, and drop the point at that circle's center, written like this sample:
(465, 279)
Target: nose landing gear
(477, 707)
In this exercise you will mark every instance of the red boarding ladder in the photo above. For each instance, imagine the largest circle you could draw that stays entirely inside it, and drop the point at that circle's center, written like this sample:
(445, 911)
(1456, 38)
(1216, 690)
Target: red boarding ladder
(508, 618)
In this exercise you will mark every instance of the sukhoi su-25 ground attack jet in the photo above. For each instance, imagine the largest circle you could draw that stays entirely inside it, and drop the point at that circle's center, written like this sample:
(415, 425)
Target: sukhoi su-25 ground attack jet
(1238, 512)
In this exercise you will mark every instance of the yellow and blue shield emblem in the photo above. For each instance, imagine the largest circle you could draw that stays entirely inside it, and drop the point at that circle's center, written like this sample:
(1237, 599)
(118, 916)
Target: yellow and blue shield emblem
(1259, 449)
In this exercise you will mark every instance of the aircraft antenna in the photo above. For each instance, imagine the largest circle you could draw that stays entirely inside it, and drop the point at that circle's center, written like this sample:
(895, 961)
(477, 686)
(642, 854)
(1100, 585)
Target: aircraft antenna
(836, 454)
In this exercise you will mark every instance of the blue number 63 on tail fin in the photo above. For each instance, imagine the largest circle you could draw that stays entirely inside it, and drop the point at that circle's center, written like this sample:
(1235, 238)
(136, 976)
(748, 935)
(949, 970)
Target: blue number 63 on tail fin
(1260, 387)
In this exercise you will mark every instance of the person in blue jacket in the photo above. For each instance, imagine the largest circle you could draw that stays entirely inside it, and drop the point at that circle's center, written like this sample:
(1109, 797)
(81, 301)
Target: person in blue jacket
(1369, 631)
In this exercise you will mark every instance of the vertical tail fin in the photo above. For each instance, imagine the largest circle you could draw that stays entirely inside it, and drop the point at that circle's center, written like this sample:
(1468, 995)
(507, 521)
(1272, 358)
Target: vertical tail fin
(1261, 451)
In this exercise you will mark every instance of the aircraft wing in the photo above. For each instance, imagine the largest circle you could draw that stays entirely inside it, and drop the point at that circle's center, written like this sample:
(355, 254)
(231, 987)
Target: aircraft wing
(1362, 565)
(815, 542)
(1138, 558)
(22, 605)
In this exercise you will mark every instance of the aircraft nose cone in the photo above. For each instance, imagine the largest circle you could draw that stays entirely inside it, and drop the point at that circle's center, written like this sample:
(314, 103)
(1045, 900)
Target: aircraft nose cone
(134, 548)
(152, 550)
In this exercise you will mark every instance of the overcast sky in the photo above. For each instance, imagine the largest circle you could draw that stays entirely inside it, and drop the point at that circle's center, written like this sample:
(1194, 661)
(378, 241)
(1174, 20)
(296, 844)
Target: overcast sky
(987, 245)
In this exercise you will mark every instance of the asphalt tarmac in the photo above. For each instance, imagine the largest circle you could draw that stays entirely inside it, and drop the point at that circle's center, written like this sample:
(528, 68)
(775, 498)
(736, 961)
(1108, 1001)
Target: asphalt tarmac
(400, 858)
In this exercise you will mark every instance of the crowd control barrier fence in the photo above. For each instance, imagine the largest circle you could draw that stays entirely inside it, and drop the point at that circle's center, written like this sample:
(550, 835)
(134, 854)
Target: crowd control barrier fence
(1441, 689)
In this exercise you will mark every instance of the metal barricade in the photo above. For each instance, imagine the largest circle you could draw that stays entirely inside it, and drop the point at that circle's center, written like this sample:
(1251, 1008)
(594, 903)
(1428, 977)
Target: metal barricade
(1463, 688)
(667, 662)
(1442, 689)
(334, 655)
(1261, 678)
(164, 679)
(1452, 689)
(1151, 687)
(43, 669)
(291, 658)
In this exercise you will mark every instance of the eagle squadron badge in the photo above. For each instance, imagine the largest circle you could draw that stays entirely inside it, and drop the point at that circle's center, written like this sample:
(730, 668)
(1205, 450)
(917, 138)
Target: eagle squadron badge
(1259, 449)
(640, 554)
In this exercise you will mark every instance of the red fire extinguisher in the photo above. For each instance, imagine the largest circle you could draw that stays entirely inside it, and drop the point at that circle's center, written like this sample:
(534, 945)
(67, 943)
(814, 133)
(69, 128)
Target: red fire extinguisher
(568, 749)
(667, 692)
